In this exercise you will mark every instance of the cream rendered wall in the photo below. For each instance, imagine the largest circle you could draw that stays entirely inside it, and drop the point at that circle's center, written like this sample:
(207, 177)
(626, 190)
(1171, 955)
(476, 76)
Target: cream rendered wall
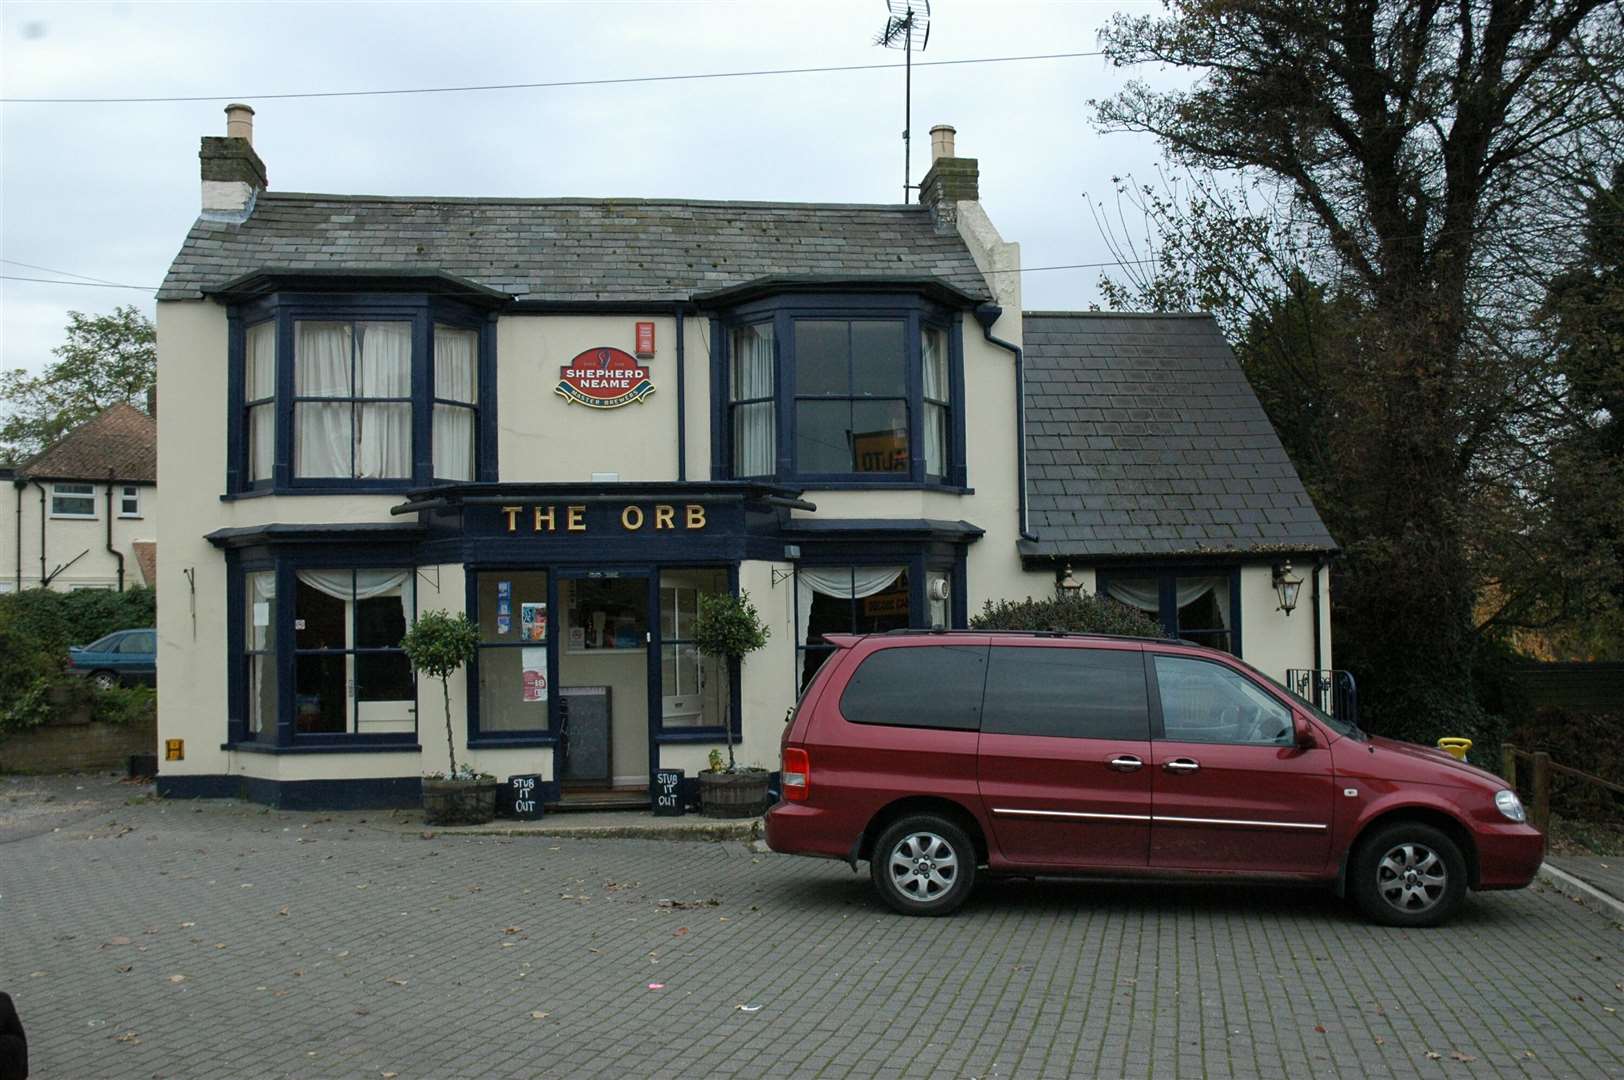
(65, 538)
(544, 437)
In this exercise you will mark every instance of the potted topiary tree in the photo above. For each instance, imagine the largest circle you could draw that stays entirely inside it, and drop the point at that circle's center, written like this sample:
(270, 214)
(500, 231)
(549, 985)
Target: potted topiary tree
(728, 628)
(437, 644)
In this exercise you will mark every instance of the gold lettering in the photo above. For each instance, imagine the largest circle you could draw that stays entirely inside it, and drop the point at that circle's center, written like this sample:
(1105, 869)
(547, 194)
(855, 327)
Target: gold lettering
(512, 513)
(631, 518)
(575, 518)
(665, 517)
(544, 516)
(695, 515)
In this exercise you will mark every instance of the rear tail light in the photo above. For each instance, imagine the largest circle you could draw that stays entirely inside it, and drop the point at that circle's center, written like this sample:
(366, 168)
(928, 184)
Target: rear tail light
(797, 774)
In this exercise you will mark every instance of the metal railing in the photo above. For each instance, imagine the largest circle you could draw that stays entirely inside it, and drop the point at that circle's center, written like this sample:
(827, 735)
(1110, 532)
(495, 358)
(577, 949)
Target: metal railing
(1328, 689)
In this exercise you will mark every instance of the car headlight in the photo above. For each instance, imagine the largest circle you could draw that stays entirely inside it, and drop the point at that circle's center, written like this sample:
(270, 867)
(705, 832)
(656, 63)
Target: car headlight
(1509, 805)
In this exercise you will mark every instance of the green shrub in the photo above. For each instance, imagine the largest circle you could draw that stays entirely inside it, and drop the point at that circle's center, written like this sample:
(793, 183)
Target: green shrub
(728, 628)
(437, 645)
(55, 620)
(27, 707)
(1589, 742)
(1076, 613)
(124, 705)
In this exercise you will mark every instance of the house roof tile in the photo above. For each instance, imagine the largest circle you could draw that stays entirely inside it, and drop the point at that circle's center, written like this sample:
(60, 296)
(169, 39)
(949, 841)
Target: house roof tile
(121, 440)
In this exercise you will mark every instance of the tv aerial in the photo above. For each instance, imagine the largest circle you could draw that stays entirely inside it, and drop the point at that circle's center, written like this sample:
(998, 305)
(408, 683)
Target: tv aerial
(907, 27)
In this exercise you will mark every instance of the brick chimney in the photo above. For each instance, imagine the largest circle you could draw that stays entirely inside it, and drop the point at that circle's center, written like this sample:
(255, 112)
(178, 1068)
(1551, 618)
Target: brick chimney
(232, 173)
(950, 181)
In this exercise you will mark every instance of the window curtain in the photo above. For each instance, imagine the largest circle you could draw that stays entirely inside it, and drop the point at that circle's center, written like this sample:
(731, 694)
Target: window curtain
(455, 367)
(260, 383)
(840, 582)
(367, 584)
(754, 428)
(321, 368)
(1145, 594)
(383, 432)
(933, 348)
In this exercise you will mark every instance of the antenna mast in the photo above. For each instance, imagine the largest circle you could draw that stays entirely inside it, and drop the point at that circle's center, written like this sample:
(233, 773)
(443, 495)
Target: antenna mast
(907, 19)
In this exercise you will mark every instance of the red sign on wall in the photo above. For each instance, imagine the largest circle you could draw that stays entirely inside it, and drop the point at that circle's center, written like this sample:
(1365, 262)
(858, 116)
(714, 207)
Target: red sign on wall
(603, 378)
(645, 340)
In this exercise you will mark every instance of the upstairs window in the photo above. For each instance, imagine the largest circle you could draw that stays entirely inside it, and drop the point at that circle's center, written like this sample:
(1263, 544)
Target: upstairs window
(129, 501)
(831, 391)
(73, 500)
(372, 393)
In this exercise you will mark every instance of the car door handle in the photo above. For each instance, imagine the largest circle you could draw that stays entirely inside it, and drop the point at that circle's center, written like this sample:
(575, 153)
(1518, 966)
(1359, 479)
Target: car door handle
(1125, 763)
(1182, 765)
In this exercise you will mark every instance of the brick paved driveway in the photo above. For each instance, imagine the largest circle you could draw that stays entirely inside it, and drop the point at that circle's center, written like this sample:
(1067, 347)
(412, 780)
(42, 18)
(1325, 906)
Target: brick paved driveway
(173, 940)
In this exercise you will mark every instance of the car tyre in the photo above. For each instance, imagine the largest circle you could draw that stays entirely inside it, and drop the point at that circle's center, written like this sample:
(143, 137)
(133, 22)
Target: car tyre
(1408, 874)
(104, 680)
(923, 865)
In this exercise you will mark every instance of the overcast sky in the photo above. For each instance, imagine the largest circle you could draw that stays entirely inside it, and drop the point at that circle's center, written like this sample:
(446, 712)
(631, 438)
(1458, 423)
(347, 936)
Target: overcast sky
(109, 190)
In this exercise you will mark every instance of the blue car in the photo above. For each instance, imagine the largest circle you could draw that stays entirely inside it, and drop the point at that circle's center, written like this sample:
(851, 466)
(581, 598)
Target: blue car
(122, 658)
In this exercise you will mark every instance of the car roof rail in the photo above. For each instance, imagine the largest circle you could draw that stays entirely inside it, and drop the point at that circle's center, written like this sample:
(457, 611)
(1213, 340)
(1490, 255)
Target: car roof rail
(942, 631)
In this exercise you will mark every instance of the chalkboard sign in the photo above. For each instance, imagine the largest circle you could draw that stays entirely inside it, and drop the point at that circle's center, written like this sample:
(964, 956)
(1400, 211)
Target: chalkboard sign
(584, 745)
(668, 793)
(520, 797)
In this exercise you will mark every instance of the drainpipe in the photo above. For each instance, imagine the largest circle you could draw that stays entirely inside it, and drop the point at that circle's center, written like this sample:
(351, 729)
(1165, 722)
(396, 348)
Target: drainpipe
(18, 485)
(987, 315)
(1319, 564)
(682, 402)
(116, 553)
(44, 578)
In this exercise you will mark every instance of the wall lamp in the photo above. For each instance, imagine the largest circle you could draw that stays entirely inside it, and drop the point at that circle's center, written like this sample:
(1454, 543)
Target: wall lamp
(1286, 586)
(1067, 582)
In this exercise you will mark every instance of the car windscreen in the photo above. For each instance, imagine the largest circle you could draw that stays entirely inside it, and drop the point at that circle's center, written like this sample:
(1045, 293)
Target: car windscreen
(106, 643)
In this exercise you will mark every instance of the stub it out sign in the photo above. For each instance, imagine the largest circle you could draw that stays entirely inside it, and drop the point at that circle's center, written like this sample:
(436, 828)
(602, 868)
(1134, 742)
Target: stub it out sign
(603, 378)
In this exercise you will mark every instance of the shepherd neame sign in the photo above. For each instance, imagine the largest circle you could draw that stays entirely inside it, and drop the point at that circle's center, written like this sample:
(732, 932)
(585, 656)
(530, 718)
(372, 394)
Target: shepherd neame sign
(603, 378)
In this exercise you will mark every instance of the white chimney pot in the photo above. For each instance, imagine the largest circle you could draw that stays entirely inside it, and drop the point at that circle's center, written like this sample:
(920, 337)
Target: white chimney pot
(941, 141)
(240, 123)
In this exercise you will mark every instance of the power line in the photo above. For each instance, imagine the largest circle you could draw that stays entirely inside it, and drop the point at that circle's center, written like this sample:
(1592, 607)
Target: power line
(87, 284)
(538, 85)
(65, 273)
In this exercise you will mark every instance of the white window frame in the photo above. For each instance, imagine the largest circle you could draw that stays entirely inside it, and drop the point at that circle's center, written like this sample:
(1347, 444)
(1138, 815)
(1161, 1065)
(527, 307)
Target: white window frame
(126, 493)
(90, 493)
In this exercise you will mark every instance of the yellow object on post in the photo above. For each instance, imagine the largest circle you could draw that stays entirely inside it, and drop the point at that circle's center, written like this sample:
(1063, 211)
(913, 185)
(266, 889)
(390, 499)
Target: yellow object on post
(1455, 748)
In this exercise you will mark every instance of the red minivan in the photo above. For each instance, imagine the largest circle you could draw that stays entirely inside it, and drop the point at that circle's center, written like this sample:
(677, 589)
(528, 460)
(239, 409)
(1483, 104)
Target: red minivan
(934, 754)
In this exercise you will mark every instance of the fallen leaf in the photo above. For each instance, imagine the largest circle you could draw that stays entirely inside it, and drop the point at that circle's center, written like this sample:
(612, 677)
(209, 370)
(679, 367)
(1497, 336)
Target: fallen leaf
(1432, 1056)
(127, 1037)
(539, 1015)
(510, 929)
(1458, 1056)
(219, 944)
(177, 978)
(1319, 1028)
(35, 974)
(342, 953)
(1380, 1041)
(748, 1008)
(283, 910)
(119, 940)
(656, 986)
(390, 1076)
(187, 925)
(124, 969)
(397, 982)
(362, 1010)
(681, 930)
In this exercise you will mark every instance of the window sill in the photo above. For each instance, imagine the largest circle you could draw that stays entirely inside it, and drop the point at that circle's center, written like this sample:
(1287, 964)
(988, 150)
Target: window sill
(248, 747)
(875, 485)
(75, 517)
(507, 742)
(693, 735)
(393, 490)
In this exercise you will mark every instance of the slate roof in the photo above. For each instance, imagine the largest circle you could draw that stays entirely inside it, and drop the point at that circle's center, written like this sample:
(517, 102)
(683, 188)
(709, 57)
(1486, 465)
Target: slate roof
(120, 438)
(572, 249)
(1144, 438)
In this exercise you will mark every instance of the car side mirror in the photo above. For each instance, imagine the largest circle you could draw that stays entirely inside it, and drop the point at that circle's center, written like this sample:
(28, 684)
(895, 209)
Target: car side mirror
(1306, 739)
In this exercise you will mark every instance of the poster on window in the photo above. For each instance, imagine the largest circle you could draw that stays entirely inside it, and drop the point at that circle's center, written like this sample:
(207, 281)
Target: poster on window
(535, 673)
(533, 622)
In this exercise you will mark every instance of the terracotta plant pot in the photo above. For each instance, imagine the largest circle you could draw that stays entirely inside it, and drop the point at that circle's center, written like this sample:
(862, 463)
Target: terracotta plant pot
(741, 794)
(458, 802)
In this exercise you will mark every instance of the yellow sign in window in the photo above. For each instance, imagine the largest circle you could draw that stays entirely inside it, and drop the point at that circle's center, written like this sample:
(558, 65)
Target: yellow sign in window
(174, 749)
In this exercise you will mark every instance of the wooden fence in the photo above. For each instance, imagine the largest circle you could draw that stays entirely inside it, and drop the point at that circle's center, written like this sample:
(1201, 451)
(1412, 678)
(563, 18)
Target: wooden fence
(1544, 767)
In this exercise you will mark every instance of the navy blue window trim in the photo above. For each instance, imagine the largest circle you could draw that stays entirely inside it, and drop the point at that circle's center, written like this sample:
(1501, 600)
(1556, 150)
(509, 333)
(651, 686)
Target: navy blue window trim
(286, 567)
(1166, 576)
(423, 311)
(784, 312)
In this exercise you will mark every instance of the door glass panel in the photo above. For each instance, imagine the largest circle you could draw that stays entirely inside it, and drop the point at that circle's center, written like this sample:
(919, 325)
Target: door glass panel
(691, 685)
(516, 634)
(608, 613)
(1206, 702)
(1067, 692)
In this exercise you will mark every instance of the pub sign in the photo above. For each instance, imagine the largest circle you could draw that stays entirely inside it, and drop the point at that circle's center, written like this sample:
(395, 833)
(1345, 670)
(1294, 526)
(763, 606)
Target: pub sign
(604, 378)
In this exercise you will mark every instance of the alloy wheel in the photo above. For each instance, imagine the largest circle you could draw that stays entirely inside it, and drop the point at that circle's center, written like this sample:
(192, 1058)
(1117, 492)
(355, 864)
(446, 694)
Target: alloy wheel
(1412, 878)
(923, 866)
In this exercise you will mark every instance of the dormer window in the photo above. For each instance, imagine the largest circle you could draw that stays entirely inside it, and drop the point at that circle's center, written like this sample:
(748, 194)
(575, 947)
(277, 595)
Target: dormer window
(832, 391)
(345, 393)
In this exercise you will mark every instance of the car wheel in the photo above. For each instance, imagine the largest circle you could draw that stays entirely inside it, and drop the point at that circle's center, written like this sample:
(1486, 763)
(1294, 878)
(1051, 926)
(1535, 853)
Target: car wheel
(104, 680)
(1408, 874)
(923, 865)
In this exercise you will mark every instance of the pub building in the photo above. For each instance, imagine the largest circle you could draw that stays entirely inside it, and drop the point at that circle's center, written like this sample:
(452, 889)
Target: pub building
(572, 418)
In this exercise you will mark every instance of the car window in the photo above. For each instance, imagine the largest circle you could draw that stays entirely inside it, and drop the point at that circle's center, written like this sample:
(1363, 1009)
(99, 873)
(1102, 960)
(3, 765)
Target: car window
(105, 643)
(1070, 693)
(138, 643)
(1211, 703)
(928, 686)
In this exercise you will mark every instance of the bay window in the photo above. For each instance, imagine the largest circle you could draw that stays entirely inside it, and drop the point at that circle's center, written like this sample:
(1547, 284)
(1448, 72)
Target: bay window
(349, 393)
(846, 600)
(840, 391)
(1199, 604)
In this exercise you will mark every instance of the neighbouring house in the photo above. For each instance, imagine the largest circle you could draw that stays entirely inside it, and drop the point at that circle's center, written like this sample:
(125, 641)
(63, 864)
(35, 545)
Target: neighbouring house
(570, 418)
(82, 513)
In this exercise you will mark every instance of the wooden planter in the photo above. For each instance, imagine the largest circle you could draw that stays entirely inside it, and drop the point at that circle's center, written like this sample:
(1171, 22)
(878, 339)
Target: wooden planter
(458, 802)
(741, 794)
